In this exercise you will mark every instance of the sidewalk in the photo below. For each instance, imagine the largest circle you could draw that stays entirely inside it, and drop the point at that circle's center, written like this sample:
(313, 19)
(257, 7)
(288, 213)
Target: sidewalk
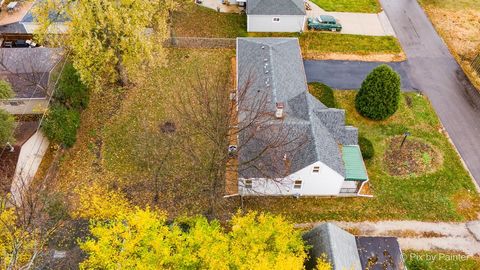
(416, 235)
(369, 24)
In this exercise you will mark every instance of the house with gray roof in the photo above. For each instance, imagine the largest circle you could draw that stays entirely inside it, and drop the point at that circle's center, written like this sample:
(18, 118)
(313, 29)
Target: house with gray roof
(29, 72)
(275, 15)
(346, 251)
(289, 143)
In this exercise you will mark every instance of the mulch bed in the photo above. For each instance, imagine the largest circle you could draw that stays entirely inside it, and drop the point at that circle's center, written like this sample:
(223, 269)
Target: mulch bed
(414, 157)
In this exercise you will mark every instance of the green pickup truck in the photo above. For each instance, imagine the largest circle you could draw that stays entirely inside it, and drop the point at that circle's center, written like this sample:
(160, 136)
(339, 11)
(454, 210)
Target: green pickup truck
(324, 22)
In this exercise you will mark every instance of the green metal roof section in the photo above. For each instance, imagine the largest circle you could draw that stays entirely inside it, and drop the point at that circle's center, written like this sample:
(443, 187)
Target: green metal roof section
(354, 166)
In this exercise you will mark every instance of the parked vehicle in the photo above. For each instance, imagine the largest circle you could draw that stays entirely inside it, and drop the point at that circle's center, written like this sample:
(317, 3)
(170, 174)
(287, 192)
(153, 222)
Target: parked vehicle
(324, 22)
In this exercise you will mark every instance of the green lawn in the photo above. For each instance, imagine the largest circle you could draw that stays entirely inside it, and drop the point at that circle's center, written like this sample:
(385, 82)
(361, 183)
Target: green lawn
(364, 6)
(197, 21)
(447, 194)
(423, 260)
(192, 20)
(317, 43)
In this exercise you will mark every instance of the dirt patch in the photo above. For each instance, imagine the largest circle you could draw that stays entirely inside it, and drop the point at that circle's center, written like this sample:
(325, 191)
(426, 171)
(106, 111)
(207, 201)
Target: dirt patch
(356, 57)
(413, 157)
(467, 204)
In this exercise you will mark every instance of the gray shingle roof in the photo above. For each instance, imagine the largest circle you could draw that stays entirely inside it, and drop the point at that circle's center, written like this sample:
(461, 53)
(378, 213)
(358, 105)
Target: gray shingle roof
(28, 69)
(339, 246)
(270, 70)
(12, 28)
(275, 7)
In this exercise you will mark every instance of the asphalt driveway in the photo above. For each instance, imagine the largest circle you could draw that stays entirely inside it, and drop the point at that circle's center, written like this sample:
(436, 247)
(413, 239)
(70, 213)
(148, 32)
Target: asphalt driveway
(350, 74)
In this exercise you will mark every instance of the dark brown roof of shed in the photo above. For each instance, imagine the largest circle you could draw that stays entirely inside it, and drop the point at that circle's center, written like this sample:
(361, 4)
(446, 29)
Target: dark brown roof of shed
(8, 160)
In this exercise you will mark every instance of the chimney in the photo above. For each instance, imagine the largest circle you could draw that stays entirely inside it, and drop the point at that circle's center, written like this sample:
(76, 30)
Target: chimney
(279, 111)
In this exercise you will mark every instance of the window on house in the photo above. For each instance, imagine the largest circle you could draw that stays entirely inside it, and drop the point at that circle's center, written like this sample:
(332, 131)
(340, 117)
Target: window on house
(248, 183)
(297, 184)
(316, 169)
(276, 19)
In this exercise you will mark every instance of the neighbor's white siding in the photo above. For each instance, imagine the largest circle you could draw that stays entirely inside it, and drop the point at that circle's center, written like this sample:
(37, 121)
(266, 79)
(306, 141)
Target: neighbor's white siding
(265, 23)
(29, 160)
(326, 182)
(25, 106)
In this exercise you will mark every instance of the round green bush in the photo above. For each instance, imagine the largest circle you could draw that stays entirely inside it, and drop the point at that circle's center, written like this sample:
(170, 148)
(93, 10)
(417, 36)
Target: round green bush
(366, 147)
(379, 95)
(6, 91)
(323, 93)
(7, 124)
(60, 125)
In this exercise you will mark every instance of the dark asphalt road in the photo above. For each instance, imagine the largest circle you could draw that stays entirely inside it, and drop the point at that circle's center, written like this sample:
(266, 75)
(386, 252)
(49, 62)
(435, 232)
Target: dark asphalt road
(350, 74)
(434, 70)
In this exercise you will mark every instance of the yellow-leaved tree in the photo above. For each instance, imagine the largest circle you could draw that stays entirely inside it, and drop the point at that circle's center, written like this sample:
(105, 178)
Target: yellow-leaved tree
(143, 239)
(107, 40)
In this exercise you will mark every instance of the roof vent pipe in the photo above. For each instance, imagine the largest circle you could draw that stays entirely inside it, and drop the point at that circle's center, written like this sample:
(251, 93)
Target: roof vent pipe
(279, 111)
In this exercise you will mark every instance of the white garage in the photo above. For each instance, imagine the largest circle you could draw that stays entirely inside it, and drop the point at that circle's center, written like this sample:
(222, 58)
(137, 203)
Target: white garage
(275, 15)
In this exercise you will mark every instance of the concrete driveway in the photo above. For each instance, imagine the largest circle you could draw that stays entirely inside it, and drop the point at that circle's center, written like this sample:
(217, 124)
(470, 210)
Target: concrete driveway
(349, 75)
(369, 24)
(434, 70)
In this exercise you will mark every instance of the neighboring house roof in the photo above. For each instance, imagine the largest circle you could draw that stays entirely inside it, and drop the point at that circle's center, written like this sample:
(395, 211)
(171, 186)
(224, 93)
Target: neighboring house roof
(13, 28)
(339, 246)
(270, 71)
(276, 7)
(28, 69)
(380, 253)
(354, 166)
(8, 160)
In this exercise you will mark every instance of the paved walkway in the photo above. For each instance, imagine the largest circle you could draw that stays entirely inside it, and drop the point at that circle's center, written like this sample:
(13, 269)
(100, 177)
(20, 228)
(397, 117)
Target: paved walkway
(416, 235)
(434, 70)
(369, 24)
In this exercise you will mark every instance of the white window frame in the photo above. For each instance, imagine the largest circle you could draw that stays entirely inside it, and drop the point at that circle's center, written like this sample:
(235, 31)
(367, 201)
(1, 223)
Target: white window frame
(276, 19)
(316, 169)
(248, 183)
(297, 184)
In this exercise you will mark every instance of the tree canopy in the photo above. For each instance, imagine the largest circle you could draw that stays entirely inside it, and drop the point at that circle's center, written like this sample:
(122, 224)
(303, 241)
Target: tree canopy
(7, 124)
(6, 91)
(108, 40)
(379, 94)
(132, 238)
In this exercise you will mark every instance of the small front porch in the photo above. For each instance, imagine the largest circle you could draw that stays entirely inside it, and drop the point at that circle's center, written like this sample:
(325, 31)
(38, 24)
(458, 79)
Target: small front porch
(356, 177)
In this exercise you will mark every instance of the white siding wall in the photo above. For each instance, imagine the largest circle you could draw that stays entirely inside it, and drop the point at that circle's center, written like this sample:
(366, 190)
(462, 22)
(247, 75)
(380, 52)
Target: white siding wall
(326, 182)
(26, 106)
(265, 23)
(29, 160)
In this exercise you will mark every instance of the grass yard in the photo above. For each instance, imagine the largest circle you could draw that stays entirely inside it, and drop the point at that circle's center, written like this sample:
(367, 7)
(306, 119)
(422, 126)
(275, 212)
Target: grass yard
(458, 22)
(122, 143)
(315, 45)
(447, 194)
(192, 20)
(321, 45)
(364, 6)
(424, 260)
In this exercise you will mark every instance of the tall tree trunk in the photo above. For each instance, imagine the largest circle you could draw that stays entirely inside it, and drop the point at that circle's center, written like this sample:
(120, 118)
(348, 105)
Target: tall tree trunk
(120, 69)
